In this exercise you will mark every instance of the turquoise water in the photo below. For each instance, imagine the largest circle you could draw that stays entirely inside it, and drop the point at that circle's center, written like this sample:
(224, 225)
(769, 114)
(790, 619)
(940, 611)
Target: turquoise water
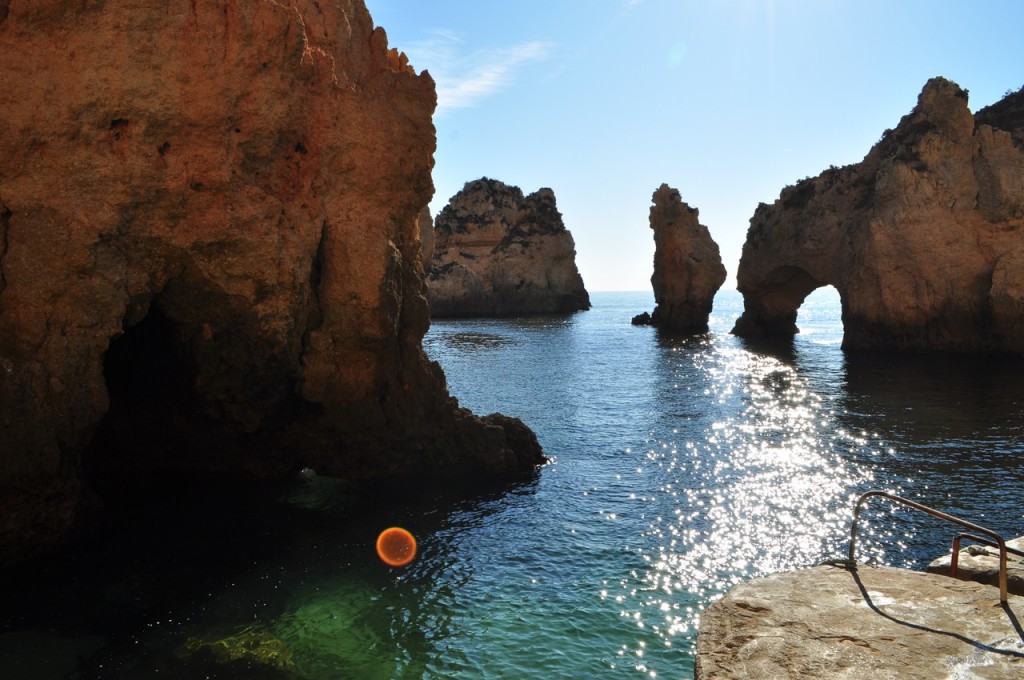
(680, 466)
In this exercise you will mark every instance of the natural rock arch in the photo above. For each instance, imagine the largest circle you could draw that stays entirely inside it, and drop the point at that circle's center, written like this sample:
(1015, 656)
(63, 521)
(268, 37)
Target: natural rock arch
(923, 239)
(776, 309)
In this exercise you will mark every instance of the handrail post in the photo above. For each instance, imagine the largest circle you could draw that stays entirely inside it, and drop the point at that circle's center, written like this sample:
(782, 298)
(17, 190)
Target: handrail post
(996, 538)
(954, 557)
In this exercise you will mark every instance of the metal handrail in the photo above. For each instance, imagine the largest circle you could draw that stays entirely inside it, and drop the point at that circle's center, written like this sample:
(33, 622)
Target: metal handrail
(997, 540)
(954, 558)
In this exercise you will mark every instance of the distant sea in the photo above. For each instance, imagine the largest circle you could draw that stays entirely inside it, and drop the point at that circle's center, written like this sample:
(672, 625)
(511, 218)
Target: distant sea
(680, 467)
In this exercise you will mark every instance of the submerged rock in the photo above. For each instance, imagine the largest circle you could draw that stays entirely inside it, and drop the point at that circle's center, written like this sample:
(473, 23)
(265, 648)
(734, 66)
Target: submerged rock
(251, 652)
(641, 319)
(867, 622)
(923, 239)
(498, 253)
(209, 256)
(688, 268)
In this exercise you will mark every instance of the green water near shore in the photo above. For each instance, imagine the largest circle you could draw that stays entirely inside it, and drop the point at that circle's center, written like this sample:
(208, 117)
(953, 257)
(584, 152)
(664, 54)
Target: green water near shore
(680, 466)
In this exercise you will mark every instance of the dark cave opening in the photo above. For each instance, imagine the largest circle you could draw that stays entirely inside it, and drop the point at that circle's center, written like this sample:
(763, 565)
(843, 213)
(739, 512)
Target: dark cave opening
(150, 377)
(145, 364)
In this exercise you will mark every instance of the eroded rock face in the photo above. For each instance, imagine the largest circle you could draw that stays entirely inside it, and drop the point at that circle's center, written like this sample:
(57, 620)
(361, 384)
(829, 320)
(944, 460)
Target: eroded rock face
(426, 230)
(209, 255)
(923, 239)
(872, 622)
(498, 253)
(688, 268)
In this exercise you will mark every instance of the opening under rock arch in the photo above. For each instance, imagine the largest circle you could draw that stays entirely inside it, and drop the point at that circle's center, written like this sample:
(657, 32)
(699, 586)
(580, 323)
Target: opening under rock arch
(820, 315)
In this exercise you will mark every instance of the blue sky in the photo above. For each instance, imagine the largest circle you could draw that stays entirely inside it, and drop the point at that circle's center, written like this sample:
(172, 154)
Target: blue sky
(728, 101)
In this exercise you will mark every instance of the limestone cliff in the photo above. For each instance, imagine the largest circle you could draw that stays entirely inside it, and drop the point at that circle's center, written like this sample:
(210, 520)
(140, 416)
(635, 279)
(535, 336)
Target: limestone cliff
(688, 268)
(923, 239)
(498, 253)
(209, 255)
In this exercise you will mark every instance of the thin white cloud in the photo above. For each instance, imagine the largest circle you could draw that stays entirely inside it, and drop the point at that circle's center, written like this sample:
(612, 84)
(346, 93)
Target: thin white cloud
(464, 79)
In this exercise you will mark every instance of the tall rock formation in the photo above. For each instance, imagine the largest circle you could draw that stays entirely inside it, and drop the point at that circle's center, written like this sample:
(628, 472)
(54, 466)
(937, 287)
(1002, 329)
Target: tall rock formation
(209, 256)
(498, 253)
(923, 239)
(688, 268)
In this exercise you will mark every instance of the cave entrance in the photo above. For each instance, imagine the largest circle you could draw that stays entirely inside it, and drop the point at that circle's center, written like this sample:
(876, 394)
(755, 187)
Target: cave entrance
(150, 376)
(147, 366)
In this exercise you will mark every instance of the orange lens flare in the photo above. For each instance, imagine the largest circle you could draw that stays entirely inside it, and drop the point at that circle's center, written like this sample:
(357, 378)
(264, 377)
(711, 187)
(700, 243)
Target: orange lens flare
(396, 547)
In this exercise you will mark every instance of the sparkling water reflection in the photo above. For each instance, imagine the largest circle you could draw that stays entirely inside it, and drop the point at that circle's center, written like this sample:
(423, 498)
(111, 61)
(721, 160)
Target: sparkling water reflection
(680, 467)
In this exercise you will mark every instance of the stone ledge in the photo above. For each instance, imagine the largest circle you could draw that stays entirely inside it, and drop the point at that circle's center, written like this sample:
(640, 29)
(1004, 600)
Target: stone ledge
(866, 622)
(981, 563)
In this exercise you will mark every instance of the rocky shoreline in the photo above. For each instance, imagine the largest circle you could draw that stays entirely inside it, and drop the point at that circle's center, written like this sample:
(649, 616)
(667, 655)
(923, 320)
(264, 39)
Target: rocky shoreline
(981, 563)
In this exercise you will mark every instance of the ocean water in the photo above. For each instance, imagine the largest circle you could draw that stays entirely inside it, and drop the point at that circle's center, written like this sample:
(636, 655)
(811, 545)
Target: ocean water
(680, 466)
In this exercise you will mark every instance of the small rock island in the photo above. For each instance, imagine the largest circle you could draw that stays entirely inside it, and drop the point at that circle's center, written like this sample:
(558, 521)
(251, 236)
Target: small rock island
(688, 268)
(498, 253)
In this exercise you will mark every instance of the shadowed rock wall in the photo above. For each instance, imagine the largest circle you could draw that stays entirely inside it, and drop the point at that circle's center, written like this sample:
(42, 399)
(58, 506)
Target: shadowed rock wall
(209, 255)
(923, 239)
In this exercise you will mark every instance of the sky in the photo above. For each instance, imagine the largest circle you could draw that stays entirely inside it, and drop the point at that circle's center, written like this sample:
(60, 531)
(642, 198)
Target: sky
(728, 101)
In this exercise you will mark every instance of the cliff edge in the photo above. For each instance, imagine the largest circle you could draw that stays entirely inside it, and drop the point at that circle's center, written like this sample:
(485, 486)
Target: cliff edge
(209, 256)
(499, 253)
(923, 239)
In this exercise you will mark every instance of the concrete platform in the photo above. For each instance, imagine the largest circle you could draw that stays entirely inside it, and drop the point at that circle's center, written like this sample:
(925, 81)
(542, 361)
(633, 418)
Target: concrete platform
(862, 622)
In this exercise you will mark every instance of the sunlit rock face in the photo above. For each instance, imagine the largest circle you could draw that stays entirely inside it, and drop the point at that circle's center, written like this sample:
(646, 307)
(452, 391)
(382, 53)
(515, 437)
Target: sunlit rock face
(923, 239)
(498, 253)
(209, 255)
(688, 268)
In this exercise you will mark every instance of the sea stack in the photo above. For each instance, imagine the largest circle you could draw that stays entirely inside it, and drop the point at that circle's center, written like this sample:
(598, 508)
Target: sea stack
(209, 257)
(498, 253)
(923, 239)
(688, 268)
